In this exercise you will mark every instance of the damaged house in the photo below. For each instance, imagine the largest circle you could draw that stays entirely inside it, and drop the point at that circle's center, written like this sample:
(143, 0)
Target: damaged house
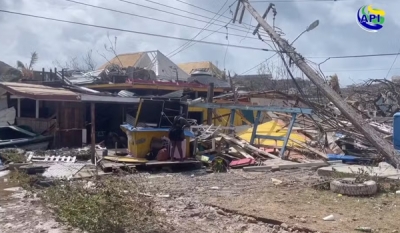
(142, 74)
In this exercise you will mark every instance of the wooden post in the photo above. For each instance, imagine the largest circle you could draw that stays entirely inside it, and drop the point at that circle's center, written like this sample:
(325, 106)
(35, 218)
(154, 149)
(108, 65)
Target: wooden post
(43, 74)
(55, 72)
(8, 95)
(56, 131)
(235, 97)
(51, 75)
(93, 133)
(210, 96)
(19, 107)
(37, 105)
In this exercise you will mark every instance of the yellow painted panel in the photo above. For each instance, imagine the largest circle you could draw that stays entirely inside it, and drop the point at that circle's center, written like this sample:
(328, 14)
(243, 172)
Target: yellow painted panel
(269, 128)
(195, 109)
(125, 159)
(224, 120)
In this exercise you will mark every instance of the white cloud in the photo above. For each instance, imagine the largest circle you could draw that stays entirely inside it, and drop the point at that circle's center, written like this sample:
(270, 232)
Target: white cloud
(338, 34)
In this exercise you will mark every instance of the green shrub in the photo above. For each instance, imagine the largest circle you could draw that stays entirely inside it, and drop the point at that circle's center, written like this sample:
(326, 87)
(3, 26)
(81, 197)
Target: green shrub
(106, 205)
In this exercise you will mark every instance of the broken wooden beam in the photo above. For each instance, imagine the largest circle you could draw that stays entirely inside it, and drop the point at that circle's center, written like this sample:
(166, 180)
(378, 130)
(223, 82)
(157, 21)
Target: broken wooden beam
(319, 153)
(238, 150)
(283, 166)
(247, 146)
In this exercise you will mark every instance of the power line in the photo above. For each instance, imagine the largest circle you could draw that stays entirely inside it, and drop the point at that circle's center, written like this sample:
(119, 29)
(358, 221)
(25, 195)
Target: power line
(179, 9)
(256, 66)
(134, 32)
(213, 32)
(186, 45)
(209, 11)
(292, 1)
(361, 70)
(361, 55)
(334, 57)
(185, 39)
(356, 56)
(394, 61)
(146, 17)
(202, 39)
(179, 15)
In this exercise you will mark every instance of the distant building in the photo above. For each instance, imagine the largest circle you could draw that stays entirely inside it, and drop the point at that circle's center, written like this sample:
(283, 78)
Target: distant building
(396, 78)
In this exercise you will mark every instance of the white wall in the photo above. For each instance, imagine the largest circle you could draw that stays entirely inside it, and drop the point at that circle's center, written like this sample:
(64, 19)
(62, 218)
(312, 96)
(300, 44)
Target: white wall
(166, 69)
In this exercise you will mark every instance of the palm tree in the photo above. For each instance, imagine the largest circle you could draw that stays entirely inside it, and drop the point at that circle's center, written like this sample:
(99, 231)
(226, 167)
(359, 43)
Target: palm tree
(27, 70)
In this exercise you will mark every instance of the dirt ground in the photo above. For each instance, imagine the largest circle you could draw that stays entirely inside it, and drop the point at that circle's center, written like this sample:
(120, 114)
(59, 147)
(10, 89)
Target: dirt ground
(21, 214)
(230, 202)
(292, 202)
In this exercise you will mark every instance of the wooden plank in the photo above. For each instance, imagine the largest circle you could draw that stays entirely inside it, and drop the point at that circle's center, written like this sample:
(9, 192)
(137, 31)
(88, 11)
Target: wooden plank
(241, 152)
(332, 143)
(322, 155)
(284, 166)
(248, 146)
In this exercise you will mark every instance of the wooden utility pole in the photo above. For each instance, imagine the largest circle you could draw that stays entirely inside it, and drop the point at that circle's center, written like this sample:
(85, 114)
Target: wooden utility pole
(385, 148)
(210, 97)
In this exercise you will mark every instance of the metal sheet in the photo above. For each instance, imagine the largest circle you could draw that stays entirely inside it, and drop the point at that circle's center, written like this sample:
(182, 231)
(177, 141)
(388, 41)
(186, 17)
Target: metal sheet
(174, 94)
(63, 170)
(125, 93)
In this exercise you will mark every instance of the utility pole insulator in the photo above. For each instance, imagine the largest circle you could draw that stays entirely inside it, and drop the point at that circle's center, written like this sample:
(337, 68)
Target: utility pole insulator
(264, 16)
(236, 11)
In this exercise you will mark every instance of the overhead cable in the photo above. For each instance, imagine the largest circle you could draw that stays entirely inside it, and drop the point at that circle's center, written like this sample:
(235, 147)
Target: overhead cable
(132, 31)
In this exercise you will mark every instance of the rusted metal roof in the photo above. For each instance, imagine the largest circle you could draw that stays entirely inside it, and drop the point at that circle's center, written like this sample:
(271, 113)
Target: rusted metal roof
(40, 92)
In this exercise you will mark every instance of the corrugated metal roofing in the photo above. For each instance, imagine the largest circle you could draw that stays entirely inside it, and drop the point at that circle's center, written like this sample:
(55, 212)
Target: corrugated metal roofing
(206, 80)
(174, 94)
(39, 92)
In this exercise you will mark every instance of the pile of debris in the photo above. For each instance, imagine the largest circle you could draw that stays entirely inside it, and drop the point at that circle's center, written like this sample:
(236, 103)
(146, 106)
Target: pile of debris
(320, 137)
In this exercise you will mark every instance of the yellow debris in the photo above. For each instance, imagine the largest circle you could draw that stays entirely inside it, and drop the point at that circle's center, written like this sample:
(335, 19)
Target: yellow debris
(269, 128)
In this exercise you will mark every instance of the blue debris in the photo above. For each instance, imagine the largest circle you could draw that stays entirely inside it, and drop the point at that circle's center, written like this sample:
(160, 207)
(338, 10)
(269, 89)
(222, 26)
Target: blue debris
(347, 158)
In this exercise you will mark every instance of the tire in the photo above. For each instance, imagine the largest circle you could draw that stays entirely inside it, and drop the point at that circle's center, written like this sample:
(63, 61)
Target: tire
(347, 186)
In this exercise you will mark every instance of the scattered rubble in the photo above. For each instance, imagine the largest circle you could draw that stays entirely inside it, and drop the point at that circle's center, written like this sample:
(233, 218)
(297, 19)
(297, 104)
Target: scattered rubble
(323, 141)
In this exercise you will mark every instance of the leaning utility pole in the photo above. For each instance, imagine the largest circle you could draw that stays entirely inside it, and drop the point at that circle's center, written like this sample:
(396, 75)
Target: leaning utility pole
(385, 148)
